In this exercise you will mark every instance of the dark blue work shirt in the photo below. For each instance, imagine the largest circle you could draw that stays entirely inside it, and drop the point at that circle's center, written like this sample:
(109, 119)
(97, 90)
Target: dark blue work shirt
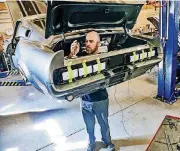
(95, 96)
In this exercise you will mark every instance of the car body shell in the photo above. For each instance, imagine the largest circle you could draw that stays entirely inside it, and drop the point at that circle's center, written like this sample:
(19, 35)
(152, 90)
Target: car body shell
(33, 54)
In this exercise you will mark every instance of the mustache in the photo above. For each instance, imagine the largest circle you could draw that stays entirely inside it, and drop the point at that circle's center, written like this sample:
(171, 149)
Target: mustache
(88, 48)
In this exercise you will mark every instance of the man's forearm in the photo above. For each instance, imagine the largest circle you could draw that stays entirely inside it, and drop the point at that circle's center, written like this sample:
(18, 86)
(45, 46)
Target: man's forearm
(70, 55)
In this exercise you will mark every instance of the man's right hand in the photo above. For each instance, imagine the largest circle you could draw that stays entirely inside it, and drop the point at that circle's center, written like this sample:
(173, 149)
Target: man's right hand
(75, 48)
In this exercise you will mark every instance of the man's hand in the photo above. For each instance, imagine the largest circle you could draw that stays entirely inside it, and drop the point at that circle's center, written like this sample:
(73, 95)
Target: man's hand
(74, 48)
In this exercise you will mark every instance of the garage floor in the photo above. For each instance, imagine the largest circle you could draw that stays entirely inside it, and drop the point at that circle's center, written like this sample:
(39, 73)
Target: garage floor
(30, 121)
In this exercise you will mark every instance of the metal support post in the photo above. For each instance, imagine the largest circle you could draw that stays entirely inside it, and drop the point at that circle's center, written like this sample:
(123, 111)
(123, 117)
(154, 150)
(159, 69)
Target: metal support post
(168, 27)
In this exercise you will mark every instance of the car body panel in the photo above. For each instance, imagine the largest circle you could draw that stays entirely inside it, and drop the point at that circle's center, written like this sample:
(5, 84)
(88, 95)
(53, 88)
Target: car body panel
(37, 61)
(42, 59)
(63, 16)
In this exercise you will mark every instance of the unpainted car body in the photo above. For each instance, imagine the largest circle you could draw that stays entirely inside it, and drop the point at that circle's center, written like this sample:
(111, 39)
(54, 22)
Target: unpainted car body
(41, 54)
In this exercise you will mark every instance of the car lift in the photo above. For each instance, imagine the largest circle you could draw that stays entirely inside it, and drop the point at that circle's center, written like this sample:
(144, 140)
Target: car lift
(168, 27)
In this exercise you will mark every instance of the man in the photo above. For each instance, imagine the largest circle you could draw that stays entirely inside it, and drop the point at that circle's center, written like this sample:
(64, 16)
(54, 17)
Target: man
(94, 104)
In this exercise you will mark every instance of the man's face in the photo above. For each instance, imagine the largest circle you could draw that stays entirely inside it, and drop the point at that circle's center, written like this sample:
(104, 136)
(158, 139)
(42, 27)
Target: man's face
(92, 43)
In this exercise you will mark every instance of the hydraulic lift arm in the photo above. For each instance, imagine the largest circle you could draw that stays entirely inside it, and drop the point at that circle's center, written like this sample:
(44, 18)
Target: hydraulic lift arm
(168, 27)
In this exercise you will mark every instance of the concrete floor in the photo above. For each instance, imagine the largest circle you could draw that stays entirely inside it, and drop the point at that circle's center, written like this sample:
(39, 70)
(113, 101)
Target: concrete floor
(30, 121)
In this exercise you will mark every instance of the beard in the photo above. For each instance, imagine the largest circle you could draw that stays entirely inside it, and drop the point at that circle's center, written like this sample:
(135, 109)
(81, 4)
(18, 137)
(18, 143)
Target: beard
(89, 50)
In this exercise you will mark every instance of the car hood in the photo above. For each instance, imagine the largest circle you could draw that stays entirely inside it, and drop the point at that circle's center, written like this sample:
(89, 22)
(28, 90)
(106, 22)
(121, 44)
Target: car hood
(64, 16)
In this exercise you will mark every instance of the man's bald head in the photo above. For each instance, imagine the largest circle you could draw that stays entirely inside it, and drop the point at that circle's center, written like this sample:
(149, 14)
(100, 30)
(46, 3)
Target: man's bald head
(92, 42)
(94, 34)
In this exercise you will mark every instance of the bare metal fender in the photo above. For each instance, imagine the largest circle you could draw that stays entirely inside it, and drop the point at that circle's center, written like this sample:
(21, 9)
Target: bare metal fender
(37, 62)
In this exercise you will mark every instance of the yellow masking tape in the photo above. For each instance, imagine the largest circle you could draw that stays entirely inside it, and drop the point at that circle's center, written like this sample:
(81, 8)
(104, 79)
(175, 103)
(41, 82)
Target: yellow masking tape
(70, 73)
(85, 68)
(99, 65)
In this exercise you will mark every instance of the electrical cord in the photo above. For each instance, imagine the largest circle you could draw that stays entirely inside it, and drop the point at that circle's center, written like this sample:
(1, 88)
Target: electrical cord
(152, 73)
(128, 98)
(122, 111)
